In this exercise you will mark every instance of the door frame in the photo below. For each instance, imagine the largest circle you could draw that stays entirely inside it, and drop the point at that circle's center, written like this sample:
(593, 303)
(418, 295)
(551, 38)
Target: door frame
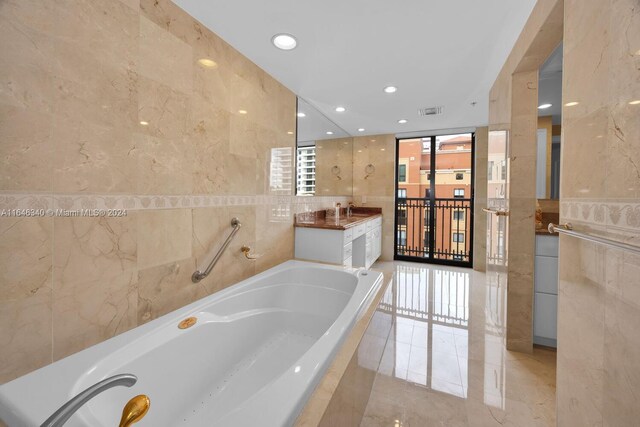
(432, 197)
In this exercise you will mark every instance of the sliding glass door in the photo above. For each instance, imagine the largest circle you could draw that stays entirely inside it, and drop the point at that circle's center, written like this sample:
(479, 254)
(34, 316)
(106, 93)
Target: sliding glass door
(434, 199)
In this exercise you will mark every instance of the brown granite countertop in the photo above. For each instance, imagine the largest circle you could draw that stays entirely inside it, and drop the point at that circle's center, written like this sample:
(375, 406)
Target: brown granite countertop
(319, 219)
(548, 217)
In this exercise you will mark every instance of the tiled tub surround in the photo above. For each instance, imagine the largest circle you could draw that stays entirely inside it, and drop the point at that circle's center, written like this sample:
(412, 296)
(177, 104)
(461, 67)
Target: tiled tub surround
(106, 104)
(271, 336)
(341, 397)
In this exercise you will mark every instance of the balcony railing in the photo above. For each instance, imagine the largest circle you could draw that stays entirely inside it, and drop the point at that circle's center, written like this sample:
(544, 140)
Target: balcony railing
(439, 232)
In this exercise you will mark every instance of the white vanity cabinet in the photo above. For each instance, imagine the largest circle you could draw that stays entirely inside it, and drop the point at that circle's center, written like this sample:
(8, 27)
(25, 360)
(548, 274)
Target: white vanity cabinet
(545, 317)
(357, 246)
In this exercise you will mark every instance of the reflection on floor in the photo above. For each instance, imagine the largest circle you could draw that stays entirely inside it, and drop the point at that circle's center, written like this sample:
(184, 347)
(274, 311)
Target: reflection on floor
(445, 362)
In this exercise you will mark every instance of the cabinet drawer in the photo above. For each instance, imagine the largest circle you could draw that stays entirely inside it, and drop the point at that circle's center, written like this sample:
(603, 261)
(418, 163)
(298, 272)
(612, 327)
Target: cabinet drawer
(377, 222)
(546, 275)
(348, 236)
(370, 225)
(547, 245)
(348, 251)
(359, 230)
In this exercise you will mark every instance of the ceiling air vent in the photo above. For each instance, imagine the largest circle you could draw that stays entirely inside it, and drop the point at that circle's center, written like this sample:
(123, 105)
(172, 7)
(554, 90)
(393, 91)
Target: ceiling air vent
(430, 111)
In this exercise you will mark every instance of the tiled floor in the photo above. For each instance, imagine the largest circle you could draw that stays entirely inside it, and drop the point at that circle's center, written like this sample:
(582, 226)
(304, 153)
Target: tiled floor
(445, 362)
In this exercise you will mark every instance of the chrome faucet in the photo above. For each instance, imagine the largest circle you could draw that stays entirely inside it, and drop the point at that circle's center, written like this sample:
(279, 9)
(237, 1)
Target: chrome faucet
(68, 409)
(350, 209)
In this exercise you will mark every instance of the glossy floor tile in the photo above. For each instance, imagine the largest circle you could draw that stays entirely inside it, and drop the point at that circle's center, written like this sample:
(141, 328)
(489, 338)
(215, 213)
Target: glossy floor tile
(445, 362)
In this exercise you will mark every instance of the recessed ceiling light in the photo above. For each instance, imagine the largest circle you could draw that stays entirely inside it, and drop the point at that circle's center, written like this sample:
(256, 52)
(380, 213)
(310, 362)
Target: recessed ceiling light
(341, 109)
(636, 102)
(544, 106)
(390, 89)
(329, 133)
(402, 121)
(382, 149)
(242, 111)
(284, 41)
(208, 63)
(143, 123)
(361, 130)
(301, 114)
(571, 104)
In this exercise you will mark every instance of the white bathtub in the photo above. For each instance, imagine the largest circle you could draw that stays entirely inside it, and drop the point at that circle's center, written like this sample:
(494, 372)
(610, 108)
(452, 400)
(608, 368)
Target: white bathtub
(253, 358)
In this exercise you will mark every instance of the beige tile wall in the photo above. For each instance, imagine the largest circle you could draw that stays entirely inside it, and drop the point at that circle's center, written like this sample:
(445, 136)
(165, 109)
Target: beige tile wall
(599, 290)
(77, 79)
(377, 190)
(512, 107)
(332, 153)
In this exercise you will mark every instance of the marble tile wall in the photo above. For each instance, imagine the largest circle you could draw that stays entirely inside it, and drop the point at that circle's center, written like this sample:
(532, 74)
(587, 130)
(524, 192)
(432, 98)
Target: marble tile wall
(376, 189)
(599, 290)
(334, 167)
(480, 201)
(106, 105)
(512, 108)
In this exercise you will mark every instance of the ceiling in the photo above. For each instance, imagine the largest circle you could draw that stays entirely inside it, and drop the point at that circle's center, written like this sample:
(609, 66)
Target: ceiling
(437, 52)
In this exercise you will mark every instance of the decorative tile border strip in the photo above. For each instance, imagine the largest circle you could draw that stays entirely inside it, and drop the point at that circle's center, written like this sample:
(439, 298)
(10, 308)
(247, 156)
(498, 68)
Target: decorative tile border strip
(623, 215)
(143, 202)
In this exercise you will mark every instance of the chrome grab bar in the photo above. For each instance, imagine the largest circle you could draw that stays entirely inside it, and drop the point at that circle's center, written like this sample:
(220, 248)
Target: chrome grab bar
(569, 231)
(495, 212)
(199, 275)
(68, 409)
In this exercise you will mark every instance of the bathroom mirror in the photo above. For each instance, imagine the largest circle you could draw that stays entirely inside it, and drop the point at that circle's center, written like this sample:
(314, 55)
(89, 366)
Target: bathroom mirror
(324, 160)
(549, 126)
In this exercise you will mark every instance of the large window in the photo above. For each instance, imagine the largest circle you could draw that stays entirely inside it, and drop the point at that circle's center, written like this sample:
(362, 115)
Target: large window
(433, 199)
(402, 173)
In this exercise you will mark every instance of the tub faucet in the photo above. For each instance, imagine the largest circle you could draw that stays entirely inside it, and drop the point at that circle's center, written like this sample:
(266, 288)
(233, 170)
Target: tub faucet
(60, 417)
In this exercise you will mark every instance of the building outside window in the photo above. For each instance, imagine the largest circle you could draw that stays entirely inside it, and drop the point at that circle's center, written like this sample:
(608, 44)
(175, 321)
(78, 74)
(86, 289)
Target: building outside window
(503, 171)
(458, 193)
(402, 217)
(459, 176)
(402, 238)
(458, 237)
(458, 215)
(306, 179)
(402, 173)
(402, 193)
(490, 171)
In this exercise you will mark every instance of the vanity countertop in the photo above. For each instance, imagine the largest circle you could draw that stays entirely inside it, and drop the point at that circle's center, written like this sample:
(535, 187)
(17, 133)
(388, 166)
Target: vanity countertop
(548, 217)
(319, 219)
